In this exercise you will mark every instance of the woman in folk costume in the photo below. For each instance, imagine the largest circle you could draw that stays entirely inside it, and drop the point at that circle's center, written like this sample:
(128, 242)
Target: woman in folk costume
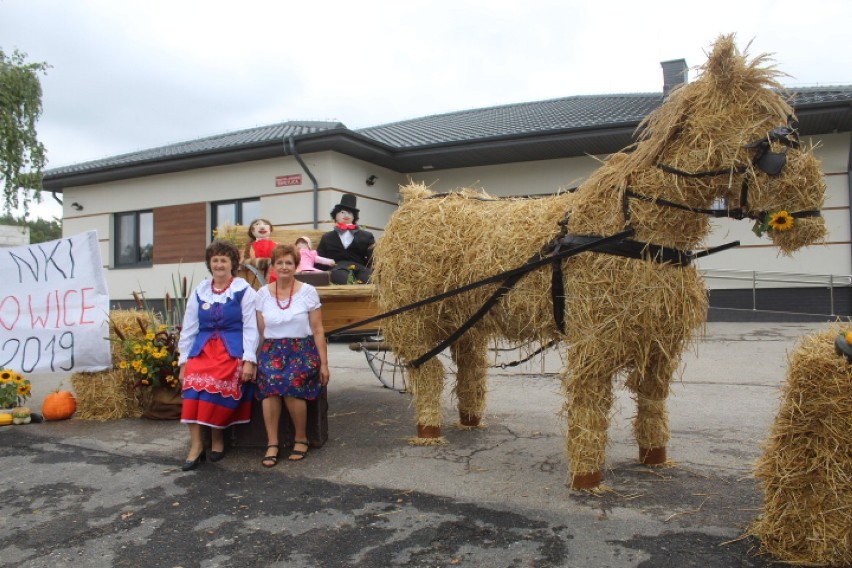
(260, 246)
(309, 257)
(218, 347)
(348, 245)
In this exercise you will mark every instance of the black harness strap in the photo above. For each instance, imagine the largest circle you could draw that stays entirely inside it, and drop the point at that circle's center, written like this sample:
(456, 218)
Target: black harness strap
(648, 251)
(636, 249)
(737, 213)
(576, 244)
(732, 213)
(539, 259)
(557, 292)
(545, 347)
(504, 289)
(501, 277)
(705, 173)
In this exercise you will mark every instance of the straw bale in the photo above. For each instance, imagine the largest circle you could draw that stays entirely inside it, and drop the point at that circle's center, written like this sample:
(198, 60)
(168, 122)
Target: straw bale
(806, 468)
(237, 235)
(110, 394)
(106, 395)
(130, 323)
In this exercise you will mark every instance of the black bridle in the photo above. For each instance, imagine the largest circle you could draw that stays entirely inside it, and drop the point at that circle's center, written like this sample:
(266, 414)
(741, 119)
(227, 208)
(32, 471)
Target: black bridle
(772, 163)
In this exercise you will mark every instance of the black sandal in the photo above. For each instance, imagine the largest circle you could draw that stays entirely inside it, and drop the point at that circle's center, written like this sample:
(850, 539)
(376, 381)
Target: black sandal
(270, 461)
(298, 455)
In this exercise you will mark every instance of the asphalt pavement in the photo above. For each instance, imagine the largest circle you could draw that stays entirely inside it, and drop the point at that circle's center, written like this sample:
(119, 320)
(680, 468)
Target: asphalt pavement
(89, 493)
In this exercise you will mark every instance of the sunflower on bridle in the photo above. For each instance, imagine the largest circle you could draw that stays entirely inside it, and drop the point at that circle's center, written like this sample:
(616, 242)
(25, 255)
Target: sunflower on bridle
(776, 221)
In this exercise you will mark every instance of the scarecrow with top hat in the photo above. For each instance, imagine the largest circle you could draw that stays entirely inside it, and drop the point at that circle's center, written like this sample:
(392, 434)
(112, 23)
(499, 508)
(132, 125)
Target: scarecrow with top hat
(349, 246)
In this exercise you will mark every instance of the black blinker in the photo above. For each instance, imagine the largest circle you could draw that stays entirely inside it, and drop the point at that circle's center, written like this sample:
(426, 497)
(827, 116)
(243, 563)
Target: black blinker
(771, 162)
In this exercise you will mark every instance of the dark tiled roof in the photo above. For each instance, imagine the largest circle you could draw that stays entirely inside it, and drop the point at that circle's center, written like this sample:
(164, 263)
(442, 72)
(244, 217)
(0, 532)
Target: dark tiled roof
(569, 113)
(221, 142)
(538, 130)
(811, 96)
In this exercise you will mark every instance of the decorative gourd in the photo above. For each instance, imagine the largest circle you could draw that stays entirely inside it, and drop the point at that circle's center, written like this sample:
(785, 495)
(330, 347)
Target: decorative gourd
(5, 419)
(59, 405)
(21, 415)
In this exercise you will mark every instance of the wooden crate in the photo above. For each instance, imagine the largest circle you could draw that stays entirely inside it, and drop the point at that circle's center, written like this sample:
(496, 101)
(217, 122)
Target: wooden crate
(346, 304)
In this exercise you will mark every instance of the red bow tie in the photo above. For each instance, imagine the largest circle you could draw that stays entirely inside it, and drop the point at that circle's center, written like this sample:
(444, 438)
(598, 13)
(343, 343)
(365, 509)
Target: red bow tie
(346, 227)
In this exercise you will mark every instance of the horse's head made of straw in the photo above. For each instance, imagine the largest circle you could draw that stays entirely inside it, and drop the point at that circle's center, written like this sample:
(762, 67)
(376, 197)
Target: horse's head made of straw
(733, 124)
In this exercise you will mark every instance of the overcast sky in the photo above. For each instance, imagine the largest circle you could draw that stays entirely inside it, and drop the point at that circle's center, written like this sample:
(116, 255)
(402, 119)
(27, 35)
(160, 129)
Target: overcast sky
(128, 75)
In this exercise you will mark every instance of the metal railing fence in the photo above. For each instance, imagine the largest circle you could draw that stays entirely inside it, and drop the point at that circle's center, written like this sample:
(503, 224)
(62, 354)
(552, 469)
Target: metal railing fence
(769, 280)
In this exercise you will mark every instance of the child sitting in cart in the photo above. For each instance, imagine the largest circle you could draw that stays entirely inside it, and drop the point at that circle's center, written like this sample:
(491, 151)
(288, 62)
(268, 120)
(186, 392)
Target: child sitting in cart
(309, 257)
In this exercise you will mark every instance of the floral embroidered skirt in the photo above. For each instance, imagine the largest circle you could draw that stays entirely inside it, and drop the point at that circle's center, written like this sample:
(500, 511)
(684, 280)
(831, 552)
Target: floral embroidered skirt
(289, 367)
(213, 394)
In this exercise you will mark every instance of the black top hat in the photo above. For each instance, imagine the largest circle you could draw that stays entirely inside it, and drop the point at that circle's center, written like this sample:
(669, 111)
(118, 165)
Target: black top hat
(347, 202)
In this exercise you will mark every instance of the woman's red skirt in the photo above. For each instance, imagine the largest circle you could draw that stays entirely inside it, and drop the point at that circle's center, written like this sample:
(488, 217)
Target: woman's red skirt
(213, 394)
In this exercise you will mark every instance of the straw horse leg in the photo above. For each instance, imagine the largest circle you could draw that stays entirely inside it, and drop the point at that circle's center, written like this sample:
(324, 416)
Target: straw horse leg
(589, 393)
(425, 382)
(469, 355)
(651, 425)
(427, 386)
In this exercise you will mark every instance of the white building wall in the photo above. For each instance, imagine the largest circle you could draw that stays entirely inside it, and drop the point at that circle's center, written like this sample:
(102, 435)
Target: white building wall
(342, 174)
(376, 202)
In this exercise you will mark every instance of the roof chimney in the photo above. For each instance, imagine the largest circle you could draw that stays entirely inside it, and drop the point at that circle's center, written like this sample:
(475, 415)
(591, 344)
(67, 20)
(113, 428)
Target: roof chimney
(674, 74)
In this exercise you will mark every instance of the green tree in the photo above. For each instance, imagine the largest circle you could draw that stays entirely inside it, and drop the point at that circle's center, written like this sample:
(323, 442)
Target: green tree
(22, 156)
(41, 230)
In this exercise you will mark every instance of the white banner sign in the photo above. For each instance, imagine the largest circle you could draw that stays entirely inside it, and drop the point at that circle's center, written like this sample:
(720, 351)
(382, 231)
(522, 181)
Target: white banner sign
(54, 307)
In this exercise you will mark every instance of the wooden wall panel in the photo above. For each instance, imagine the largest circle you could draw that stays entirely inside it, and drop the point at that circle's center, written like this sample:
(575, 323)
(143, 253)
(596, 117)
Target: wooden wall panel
(180, 233)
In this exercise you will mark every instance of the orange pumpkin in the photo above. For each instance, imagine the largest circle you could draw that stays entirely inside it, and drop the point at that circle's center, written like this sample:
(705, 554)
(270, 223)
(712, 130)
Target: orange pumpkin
(59, 405)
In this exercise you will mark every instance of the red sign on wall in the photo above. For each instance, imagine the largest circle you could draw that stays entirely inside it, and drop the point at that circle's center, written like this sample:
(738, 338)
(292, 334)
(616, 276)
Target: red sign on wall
(284, 181)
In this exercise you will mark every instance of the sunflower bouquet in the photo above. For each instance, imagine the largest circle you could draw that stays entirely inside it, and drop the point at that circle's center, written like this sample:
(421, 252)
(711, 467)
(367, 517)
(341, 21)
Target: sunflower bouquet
(14, 389)
(153, 358)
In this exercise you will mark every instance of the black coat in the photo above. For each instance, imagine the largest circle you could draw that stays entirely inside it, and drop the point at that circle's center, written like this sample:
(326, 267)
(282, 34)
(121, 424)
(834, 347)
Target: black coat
(360, 251)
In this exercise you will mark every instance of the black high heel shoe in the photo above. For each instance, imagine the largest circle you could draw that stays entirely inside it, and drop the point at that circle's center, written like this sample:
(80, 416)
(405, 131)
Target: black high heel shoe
(216, 456)
(189, 465)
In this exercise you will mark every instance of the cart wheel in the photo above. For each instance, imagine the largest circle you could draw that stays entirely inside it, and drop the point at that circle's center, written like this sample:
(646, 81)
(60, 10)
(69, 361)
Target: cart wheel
(384, 364)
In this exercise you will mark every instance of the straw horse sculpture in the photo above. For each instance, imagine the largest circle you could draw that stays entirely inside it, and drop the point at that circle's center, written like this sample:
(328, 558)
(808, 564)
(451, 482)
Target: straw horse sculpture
(630, 308)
